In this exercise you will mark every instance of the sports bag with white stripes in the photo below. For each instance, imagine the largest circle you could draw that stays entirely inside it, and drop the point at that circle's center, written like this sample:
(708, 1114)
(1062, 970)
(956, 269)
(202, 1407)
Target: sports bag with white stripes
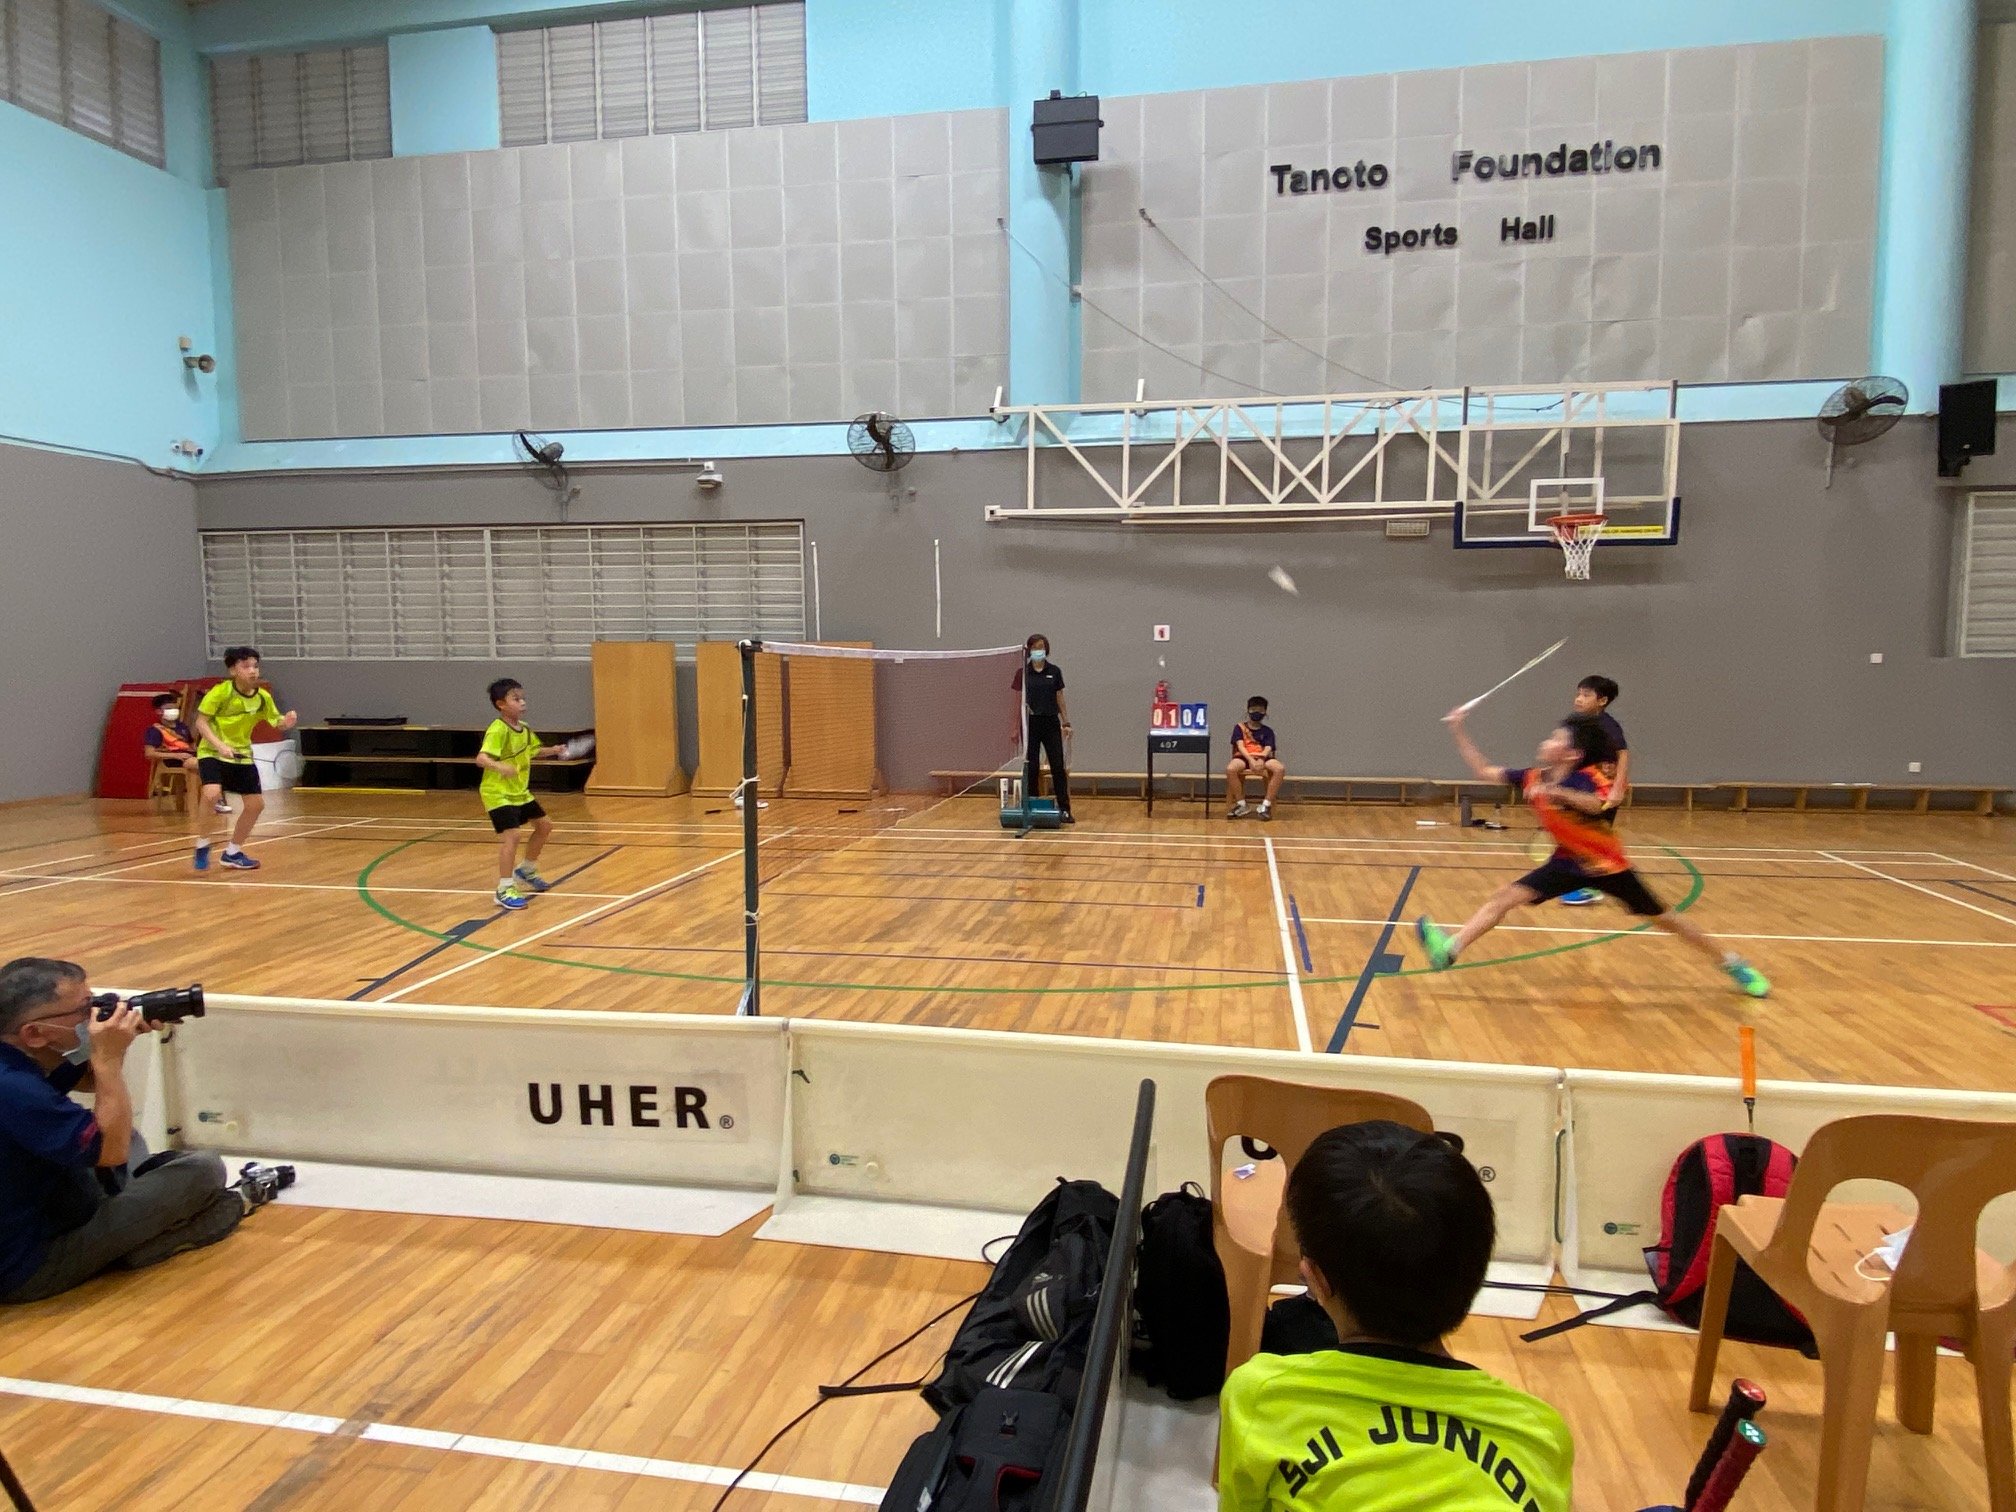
(1029, 1327)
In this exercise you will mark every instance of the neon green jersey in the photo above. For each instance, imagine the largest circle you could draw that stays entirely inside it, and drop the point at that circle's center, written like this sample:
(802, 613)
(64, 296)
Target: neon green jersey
(1376, 1428)
(505, 744)
(233, 715)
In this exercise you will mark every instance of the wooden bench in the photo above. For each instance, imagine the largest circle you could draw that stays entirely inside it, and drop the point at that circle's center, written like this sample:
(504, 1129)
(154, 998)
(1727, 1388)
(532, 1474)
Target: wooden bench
(1854, 797)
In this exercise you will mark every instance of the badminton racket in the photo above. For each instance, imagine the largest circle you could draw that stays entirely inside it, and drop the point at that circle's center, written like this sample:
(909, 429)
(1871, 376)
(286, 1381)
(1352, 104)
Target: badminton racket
(1466, 708)
(1746, 1400)
(1746, 1039)
(579, 746)
(1745, 1444)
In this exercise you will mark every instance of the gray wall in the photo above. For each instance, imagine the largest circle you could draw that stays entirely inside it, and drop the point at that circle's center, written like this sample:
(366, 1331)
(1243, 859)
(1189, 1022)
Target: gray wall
(1743, 651)
(1747, 254)
(99, 584)
(1991, 257)
(722, 277)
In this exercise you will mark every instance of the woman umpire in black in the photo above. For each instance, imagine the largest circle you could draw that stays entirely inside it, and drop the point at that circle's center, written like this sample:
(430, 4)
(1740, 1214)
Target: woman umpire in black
(1042, 684)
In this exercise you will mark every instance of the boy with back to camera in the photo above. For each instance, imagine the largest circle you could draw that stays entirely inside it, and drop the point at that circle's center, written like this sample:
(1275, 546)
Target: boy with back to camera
(225, 720)
(1396, 1229)
(509, 749)
(1593, 697)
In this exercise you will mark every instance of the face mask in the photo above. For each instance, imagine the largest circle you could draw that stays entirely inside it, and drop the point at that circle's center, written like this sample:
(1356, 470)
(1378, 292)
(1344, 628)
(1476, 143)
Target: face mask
(81, 1051)
(1039, 656)
(1256, 715)
(169, 716)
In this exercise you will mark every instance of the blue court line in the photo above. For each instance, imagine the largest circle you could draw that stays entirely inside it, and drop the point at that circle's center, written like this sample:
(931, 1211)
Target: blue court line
(1956, 882)
(1301, 937)
(1200, 894)
(1379, 963)
(460, 932)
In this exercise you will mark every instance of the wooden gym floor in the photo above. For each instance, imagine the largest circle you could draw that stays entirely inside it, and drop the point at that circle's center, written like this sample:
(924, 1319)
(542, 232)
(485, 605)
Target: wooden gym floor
(331, 1358)
(1890, 939)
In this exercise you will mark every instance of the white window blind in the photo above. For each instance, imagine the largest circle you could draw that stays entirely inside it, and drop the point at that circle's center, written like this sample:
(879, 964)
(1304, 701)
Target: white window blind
(278, 110)
(76, 63)
(489, 592)
(1984, 578)
(693, 71)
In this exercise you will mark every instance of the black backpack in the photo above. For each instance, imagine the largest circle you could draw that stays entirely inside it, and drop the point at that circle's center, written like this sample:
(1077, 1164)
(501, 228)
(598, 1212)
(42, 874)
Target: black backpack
(1029, 1327)
(1182, 1321)
(1707, 1176)
(997, 1453)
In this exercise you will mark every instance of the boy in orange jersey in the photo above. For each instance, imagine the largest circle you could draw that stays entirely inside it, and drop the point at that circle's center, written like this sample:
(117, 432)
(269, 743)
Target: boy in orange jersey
(1569, 791)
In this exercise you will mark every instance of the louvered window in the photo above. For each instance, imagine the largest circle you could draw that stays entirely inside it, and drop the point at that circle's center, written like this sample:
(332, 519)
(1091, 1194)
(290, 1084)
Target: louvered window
(487, 592)
(276, 110)
(651, 75)
(76, 63)
(1984, 578)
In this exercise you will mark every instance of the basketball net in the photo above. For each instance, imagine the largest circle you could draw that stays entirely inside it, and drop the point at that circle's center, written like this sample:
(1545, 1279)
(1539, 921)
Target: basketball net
(1577, 535)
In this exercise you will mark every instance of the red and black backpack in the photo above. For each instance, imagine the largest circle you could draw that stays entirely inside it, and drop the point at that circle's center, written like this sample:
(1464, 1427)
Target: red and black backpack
(1710, 1174)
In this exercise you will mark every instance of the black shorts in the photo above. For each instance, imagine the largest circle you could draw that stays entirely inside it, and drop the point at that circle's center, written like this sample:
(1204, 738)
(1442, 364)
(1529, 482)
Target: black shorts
(515, 816)
(240, 777)
(1558, 877)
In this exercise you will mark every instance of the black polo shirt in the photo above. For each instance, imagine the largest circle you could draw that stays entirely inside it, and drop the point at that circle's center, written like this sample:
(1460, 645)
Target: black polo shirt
(44, 1137)
(1041, 685)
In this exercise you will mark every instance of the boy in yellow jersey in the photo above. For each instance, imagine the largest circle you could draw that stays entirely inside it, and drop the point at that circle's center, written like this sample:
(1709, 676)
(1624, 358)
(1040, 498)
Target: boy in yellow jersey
(1569, 789)
(225, 720)
(1396, 1229)
(509, 748)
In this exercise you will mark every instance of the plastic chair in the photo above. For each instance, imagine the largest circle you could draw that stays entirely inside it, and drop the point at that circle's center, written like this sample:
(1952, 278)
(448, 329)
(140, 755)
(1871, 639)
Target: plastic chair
(1249, 1222)
(1812, 1253)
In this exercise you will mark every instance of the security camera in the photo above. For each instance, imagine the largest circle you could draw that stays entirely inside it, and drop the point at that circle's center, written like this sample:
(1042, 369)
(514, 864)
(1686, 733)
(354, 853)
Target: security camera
(201, 362)
(710, 476)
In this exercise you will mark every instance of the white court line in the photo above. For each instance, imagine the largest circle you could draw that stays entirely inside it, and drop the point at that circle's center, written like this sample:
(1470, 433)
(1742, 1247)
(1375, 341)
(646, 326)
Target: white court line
(1986, 913)
(1288, 956)
(324, 1426)
(180, 858)
(1720, 934)
(1977, 866)
(638, 896)
(344, 887)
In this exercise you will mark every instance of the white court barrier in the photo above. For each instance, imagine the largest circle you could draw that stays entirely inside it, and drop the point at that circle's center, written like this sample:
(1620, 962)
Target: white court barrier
(969, 1118)
(1626, 1128)
(671, 1099)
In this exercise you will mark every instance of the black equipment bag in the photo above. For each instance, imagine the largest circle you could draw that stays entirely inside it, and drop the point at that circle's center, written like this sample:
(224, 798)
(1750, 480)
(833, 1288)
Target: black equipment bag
(1182, 1321)
(997, 1453)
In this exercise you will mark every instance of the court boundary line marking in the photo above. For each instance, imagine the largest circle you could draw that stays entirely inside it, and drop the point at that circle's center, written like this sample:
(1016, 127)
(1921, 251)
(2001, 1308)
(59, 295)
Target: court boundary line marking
(348, 887)
(181, 857)
(1942, 897)
(1977, 866)
(1379, 961)
(1302, 1040)
(1720, 934)
(323, 1425)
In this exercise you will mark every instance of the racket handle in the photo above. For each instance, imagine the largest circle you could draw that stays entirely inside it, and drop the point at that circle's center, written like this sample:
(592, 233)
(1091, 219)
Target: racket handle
(1746, 1400)
(1744, 1447)
(1746, 1039)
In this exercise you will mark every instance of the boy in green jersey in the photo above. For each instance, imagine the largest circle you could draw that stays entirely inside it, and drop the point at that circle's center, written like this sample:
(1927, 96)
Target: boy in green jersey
(509, 748)
(225, 719)
(1396, 1229)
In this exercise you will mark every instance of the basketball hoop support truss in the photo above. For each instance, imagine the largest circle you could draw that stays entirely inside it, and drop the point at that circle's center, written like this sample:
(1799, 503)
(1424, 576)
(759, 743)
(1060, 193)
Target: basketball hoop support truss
(1338, 457)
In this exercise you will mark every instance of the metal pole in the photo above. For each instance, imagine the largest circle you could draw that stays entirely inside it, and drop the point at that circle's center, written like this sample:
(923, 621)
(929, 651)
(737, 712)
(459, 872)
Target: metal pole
(751, 892)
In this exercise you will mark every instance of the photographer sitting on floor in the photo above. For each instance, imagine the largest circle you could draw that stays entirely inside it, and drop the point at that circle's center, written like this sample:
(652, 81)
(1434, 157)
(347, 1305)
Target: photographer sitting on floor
(69, 1205)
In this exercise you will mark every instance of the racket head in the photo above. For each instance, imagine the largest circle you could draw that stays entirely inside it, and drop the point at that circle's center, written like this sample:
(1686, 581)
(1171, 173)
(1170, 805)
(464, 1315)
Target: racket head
(578, 747)
(1539, 847)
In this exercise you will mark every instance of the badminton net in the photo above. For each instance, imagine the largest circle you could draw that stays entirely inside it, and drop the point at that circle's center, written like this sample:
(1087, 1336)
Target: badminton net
(853, 740)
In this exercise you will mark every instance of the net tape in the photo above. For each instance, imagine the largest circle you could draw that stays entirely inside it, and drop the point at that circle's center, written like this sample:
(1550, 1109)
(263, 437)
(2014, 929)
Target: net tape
(877, 653)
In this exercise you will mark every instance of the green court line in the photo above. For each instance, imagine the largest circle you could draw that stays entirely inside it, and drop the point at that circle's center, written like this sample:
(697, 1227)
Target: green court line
(371, 901)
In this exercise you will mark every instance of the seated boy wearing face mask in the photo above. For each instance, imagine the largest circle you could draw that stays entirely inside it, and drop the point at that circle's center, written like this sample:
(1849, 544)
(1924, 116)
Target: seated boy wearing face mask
(1253, 754)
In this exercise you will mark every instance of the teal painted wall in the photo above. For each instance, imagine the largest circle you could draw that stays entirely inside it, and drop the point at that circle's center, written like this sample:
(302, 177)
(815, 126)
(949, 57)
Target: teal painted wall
(109, 260)
(444, 91)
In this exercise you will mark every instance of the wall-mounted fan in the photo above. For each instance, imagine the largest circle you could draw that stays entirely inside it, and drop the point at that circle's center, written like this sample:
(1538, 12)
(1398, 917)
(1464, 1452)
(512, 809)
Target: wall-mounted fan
(1858, 412)
(881, 443)
(542, 460)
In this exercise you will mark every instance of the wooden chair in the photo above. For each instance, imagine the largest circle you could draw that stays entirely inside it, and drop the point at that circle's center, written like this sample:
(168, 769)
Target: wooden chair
(1249, 1222)
(1812, 1253)
(164, 781)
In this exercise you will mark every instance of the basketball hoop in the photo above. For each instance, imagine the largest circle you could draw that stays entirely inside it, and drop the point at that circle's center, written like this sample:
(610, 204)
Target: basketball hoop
(1577, 535)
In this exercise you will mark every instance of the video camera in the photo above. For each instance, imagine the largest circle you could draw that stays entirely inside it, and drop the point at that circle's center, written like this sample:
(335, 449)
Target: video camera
(164, 1005)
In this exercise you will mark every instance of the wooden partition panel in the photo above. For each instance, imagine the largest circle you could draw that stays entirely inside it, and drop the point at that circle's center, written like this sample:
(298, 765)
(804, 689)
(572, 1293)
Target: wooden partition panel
(719, 680)
(636, 720)
(831, 719)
